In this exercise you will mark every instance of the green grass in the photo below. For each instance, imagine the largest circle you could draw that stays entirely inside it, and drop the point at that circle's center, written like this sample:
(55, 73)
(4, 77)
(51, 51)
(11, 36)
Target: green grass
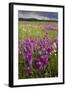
(33, 29)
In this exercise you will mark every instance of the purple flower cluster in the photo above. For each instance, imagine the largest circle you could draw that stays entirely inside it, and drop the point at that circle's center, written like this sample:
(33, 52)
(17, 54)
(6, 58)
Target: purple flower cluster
(36, 52)
(43, 61)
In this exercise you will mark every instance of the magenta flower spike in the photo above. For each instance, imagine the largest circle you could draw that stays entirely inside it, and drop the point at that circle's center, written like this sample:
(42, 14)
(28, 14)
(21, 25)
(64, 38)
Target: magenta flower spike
(29, 58)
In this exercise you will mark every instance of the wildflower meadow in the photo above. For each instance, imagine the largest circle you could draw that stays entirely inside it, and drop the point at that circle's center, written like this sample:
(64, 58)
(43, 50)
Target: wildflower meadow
(37, 49)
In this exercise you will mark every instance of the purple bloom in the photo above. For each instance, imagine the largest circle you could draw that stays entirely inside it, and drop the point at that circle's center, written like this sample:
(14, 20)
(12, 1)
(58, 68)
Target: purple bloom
(28, 69)
(39, 65)
(29, 44)
(48, 51)
(44, 60)
(29, 58)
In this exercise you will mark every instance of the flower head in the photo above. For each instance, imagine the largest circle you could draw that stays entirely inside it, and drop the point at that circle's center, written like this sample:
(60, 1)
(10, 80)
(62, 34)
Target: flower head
(28, 69)
(29, 58)
(44, 60)
(39, 65)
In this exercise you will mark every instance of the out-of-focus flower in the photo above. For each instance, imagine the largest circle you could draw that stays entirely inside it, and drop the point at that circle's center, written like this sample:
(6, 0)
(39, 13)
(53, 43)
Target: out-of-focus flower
(28, 69)
(29, 44)
(44, 60)
(29, 58)
(39, 65)
(48, 50)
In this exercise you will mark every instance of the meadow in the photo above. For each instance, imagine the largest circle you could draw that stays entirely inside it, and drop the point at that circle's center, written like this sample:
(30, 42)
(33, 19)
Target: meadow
(37, 49)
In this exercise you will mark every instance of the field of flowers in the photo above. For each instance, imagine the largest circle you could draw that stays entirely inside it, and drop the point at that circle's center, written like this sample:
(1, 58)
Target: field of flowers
(37, 49)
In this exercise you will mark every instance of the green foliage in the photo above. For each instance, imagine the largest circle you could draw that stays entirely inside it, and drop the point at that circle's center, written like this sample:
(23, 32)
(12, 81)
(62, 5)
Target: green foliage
(52, 68)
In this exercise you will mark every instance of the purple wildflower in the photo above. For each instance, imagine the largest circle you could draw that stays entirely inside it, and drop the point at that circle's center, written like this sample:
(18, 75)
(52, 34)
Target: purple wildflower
(48, 51)
(30, 44)
(39, 65)
(44, 60)
(29, 58)
(28, 69)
